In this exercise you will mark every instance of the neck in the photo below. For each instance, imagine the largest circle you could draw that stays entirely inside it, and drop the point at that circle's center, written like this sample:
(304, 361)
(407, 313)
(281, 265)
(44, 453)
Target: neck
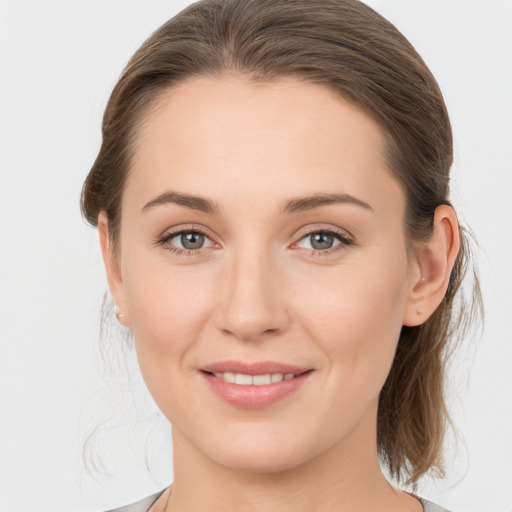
(344, 478)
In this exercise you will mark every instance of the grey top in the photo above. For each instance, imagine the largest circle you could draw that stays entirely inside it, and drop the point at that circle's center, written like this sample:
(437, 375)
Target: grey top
(145, 504)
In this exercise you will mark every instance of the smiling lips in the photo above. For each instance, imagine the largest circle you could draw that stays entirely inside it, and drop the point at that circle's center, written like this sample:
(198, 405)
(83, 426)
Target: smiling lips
(254, 385)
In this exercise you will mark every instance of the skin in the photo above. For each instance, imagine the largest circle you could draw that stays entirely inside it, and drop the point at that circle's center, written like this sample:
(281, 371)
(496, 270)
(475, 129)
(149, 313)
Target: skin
(258, 290)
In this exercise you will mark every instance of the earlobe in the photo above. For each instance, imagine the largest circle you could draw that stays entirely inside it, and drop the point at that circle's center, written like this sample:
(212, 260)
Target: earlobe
(434, 262)
(114, 277)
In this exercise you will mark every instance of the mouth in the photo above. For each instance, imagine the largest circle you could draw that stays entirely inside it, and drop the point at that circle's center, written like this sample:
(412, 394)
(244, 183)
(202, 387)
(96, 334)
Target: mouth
(244, 379)
(254, 385)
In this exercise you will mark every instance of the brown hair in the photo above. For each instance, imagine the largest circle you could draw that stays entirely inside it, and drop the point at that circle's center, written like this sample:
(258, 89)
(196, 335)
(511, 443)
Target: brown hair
(349, 48)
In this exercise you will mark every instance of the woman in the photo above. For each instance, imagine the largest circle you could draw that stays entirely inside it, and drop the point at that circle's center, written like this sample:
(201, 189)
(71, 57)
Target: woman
(271, 196)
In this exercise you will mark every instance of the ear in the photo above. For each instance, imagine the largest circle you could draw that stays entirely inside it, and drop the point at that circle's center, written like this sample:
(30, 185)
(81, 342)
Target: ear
(433, 263)
(114, 277)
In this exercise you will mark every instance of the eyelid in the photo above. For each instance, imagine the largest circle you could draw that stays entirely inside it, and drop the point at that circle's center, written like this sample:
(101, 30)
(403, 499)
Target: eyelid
(185, 227)
(342, 233)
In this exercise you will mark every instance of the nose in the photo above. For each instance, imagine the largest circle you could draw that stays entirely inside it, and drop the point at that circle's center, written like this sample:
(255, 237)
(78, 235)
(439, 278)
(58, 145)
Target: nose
(252, 302)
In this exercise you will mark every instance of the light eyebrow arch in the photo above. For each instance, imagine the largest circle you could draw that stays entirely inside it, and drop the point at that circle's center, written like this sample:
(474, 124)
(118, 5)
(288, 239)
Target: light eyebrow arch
(300, 204)
(187, 200)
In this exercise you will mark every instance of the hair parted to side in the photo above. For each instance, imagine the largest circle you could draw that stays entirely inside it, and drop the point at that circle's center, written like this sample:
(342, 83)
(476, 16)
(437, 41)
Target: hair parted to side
(346, 46)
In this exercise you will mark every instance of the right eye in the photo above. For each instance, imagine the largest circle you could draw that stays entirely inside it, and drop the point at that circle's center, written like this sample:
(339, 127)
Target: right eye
(186, 241)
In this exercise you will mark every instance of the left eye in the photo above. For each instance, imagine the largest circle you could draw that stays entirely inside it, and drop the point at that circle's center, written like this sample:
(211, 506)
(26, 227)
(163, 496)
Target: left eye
(320, 240)
(189, 240)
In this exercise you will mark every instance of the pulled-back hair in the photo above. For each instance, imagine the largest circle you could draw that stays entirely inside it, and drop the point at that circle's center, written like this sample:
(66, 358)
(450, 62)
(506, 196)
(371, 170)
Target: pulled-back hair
(349, 48)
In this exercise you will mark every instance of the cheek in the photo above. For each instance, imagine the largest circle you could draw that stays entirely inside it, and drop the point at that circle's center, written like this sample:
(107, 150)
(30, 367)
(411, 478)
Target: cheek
(169, 311)
(355, 315)
(168, 308)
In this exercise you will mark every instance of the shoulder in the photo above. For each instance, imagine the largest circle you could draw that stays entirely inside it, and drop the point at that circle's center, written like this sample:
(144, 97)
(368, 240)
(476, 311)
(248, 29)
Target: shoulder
(140, 506)
(428, 506)
(145, 504)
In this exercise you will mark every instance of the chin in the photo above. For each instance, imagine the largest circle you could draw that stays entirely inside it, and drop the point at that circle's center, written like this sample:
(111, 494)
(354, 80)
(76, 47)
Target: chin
(259, 461)
(254, 449)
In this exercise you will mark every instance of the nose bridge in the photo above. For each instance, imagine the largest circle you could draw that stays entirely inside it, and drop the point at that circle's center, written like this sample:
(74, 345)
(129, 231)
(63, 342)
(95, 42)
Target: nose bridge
(252, 304)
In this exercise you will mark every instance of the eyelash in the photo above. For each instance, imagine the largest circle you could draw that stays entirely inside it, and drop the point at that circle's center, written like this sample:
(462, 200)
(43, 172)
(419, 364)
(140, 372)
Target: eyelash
(344, 239)
(164, 241)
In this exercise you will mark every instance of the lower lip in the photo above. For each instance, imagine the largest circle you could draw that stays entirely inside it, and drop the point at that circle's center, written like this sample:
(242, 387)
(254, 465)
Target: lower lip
(254, 397)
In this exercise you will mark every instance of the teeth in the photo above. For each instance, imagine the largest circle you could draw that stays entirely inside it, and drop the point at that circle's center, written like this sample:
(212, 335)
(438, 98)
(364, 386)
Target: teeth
(259, 380)
(229, 377)
(255, 380)
(242, 379)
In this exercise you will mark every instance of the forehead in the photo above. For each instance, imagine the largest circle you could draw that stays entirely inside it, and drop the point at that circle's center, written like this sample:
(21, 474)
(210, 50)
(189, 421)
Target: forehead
(288, 137)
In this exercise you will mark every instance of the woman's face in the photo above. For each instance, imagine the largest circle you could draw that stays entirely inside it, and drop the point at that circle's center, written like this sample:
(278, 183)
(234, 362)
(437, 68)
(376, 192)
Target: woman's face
(262, 236)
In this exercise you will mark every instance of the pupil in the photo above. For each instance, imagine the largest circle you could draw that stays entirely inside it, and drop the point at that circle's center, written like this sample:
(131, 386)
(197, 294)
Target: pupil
(192, 240)
(321, 241)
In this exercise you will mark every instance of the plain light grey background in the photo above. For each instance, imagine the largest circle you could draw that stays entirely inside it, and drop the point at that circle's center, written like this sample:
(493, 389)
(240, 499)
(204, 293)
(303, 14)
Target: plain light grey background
(58, 63)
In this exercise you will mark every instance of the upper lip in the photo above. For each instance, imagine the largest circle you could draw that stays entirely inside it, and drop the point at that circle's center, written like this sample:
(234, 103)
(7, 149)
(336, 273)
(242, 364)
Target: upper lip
(255, 368)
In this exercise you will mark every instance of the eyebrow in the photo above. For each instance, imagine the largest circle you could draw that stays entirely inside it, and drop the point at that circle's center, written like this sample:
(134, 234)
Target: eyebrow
(295, 205)
(194, 202)
(301, 204)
